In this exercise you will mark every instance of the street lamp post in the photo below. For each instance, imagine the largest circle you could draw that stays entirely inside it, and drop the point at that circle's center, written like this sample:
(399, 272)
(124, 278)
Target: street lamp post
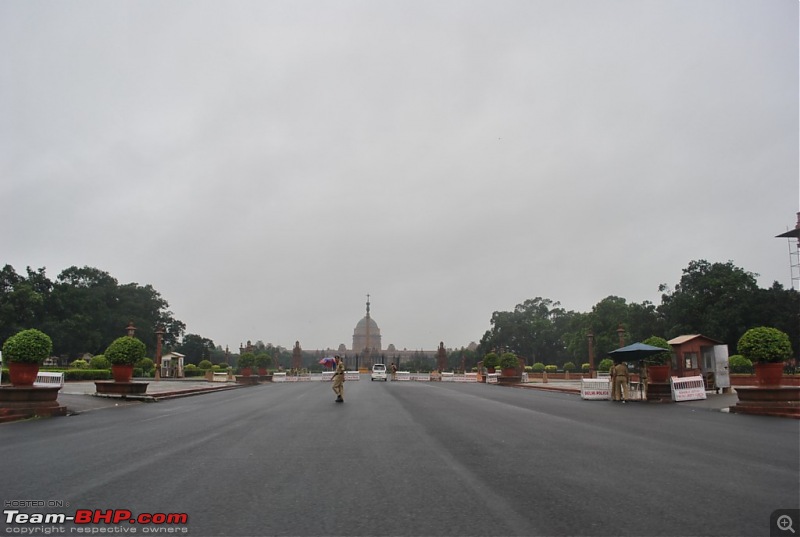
(621, 334)
(590, 339)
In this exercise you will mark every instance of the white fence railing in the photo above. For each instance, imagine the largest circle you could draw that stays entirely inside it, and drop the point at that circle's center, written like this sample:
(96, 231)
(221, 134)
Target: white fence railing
(325, 376)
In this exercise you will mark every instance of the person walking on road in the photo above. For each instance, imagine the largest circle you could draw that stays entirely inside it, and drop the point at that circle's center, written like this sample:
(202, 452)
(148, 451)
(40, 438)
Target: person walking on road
(619, 377)
(338, 380)
(394, 371)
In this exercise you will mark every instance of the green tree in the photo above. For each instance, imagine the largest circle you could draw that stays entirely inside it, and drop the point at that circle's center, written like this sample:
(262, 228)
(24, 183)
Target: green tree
(604, 320)
(456, 358)
(195, 348)
(713, 299)
(23, 301)
(779, 308)
(532, 331)
(83, 310)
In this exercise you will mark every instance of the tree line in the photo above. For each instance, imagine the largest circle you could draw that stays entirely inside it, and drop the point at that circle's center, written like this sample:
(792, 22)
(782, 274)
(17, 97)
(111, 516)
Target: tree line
(84, 309)
(718, 300)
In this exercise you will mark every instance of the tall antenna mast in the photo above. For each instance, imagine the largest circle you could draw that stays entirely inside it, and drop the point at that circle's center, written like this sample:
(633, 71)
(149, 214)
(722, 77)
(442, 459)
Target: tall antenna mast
(794, 252)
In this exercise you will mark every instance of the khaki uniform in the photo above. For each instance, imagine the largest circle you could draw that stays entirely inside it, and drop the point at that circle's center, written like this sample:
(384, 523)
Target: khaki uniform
(620, 380)
(338, 380)
(643, 380)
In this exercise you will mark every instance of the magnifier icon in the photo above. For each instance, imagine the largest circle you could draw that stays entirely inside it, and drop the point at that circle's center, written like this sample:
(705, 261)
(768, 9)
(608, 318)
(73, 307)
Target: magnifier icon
(784, 523)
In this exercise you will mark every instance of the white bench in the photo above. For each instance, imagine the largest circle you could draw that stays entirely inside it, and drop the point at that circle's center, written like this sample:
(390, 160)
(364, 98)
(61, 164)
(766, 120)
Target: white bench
(49, 379)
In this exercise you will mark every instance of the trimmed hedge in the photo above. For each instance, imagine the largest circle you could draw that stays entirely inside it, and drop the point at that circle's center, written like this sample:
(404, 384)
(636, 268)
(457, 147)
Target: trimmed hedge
(87, 374)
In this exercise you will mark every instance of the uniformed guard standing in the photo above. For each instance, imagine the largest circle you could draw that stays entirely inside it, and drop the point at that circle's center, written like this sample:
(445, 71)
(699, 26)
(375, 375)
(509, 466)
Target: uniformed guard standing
(620, 379)
(643, 378)
(338, 380)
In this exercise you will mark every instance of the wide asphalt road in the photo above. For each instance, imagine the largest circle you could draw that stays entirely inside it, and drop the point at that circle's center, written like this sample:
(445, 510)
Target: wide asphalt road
(406, 458)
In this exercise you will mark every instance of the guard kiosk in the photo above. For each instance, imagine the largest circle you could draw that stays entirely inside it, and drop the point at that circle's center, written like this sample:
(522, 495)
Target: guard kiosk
(172, 365)
(697, 354)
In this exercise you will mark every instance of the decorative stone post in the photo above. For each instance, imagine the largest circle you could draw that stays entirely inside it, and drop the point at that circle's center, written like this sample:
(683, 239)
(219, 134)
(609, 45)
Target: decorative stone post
(159, 338)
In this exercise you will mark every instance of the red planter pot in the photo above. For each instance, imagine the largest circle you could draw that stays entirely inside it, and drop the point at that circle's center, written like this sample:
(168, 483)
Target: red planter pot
(22, 374)
(247, 371)
(262, 371)
(510, 372)
(768, 374)
(122, 373)
(658, 373)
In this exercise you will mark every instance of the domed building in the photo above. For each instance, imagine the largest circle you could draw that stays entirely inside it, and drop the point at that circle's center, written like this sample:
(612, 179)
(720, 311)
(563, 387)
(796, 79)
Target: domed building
(367, 335)
(367, 350)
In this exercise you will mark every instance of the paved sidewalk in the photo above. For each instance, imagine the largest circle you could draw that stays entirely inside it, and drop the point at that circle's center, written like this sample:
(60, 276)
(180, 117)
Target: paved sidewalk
(81, 396)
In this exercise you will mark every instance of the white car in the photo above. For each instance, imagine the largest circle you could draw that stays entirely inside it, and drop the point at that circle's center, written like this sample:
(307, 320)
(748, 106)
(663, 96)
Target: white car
(379, 372)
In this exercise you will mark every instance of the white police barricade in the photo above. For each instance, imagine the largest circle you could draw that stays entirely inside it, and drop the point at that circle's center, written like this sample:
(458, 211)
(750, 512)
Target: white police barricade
(491, 378)
(687, 388)
(596, 389)
(470, 377)
(352, 375)
(421, 377)
(327, 376)
(279, 377)
(403, 375)
(316, 377)
(304, 378)
(448, 377)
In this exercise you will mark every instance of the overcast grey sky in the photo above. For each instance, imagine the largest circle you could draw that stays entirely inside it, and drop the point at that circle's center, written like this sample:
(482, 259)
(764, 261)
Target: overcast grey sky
(266, 164)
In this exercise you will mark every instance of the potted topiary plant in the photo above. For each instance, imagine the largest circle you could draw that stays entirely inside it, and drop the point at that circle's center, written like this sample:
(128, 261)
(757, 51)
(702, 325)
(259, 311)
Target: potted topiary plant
(767, 348)
(25, 351)
(123, 353)
(508, 363)
(490, 361)
(262, 360)
(658, 364)
(246, 362)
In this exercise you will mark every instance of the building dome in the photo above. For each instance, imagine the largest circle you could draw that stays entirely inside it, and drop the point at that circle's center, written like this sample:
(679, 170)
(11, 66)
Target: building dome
(361, 327)
(360, 335)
